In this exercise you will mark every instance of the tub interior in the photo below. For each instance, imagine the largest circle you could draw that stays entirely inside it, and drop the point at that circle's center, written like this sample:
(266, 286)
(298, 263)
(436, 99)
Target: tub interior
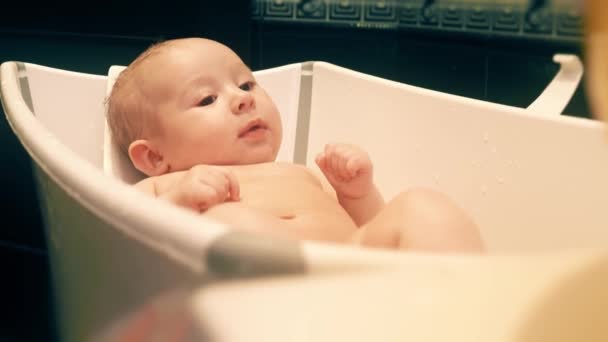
(532, 182)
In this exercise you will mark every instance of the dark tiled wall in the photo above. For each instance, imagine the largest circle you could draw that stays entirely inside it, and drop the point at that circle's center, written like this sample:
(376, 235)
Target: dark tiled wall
(499, 51)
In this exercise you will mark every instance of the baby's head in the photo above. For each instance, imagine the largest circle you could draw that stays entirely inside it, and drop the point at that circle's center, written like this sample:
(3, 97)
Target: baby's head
(192, 101)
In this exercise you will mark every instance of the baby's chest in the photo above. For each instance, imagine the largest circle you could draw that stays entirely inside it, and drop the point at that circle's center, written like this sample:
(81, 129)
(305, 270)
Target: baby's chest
(273, 175)
(279, 184)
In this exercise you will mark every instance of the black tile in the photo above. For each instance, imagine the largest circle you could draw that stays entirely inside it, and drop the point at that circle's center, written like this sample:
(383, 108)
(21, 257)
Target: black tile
(381, 10)
(507, 20)
(446, 67)
(279, 9)
(517, 79)
(452, 16)
(345, 10)
(429, 16)
(373, 53)
(409, 14)
(478, 18)
(540, 22)
(570, 23)
(257, 8)
(312, 9)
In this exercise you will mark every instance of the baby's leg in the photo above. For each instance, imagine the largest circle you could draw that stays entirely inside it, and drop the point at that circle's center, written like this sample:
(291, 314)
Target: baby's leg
(421, 219)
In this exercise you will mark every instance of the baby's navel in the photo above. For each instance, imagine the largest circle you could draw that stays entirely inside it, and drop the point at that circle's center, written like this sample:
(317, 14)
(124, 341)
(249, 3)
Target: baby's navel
(287, 217)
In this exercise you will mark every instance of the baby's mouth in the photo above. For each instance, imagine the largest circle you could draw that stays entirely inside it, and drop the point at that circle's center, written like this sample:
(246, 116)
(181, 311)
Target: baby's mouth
(252, 126)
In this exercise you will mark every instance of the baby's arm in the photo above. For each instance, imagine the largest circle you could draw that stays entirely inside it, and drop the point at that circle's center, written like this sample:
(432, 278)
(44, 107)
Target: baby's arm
(199, 188)
(158, 185)
(349, 171)
(363, 209)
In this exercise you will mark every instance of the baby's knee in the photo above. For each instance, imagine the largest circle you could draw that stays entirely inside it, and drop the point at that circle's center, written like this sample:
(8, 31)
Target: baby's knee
(424, 200)
(432, 218)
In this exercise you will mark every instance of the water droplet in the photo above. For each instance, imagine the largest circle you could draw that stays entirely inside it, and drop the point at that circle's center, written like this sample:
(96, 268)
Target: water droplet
(483, 189)
(509, 163)
(486, 138)
(494, 150)
(500, 180)
(436, 179)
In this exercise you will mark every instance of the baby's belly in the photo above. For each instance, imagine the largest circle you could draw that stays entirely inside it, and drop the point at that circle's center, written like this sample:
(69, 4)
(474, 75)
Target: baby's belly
(306, 207)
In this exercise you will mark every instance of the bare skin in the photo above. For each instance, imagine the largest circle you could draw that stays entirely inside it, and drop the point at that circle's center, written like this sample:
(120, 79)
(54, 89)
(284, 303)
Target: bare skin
(285, 199)
(289, 201)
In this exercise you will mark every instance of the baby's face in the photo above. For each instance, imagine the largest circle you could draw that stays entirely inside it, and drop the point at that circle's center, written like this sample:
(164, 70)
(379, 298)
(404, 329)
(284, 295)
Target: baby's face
(210, 108)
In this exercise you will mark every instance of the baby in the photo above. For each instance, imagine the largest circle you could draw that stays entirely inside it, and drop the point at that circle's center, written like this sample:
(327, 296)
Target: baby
(191, 116)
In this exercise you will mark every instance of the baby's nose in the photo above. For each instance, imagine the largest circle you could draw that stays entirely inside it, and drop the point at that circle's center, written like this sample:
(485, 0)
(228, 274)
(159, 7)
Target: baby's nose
(243, 103)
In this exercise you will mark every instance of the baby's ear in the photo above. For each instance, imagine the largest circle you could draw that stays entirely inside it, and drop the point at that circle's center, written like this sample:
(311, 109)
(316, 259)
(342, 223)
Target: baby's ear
(147, 158)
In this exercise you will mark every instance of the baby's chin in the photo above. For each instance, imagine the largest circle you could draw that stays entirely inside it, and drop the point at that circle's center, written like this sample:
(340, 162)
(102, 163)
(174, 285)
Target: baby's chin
(266, 154)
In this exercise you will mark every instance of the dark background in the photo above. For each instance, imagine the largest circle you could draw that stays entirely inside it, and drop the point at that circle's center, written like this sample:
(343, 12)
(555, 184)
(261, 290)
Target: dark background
(436, 45)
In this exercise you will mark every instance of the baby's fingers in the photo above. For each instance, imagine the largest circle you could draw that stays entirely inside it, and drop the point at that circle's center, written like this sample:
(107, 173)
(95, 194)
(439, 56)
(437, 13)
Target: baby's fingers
(334, 161)
(233, 185)
(343, 156)
(358, 165)
(320, 160)
(202, 196)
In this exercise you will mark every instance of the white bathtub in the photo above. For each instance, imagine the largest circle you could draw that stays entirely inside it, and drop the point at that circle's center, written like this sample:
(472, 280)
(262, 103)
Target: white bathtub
(535, 182)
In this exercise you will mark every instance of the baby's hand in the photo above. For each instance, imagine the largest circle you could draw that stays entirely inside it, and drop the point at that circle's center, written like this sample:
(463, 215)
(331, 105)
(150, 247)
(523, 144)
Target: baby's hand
(347, 168)
(202, 187)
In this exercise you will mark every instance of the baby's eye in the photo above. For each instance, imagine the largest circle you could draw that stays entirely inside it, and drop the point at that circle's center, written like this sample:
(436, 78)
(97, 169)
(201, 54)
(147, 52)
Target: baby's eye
(247, 86)
(207, 100)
